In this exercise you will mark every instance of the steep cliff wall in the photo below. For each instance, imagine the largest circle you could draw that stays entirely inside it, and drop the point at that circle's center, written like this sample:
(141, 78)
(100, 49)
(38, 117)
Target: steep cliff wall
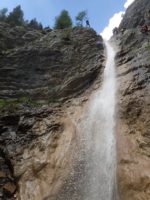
(50, 65)
(43, 82)
(133, 125)
(136, 15)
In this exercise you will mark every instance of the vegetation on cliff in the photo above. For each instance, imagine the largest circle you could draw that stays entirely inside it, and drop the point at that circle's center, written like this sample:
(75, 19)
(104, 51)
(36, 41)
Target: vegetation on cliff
(81, 17)
(63, 20)
(16, 18)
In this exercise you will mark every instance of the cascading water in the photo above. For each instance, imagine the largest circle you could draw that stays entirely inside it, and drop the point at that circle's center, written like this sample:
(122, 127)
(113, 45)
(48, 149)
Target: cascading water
(94, 176)
(99, 139)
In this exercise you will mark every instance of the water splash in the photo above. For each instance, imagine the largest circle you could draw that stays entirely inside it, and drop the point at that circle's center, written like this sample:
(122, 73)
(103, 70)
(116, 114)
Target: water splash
(94, 176)
(99, 139)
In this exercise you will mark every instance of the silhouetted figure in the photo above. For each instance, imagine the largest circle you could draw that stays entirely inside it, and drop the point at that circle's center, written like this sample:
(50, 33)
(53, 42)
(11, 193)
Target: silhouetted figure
(87, 23)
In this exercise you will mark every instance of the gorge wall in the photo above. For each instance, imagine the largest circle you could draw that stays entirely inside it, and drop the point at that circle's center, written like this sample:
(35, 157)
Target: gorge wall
(44, 77)
(46, 80)
(42, 65)
(133, 123)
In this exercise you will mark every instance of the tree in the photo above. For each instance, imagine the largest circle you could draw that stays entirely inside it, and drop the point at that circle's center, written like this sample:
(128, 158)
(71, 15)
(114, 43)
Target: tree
(16, 16)
(63, 20)
(34, 24)
(3, 14)
(81, 17)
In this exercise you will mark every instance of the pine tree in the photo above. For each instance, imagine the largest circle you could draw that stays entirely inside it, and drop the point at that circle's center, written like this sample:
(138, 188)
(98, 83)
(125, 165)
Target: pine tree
(34, 24)
(16, 16)
(63, 20)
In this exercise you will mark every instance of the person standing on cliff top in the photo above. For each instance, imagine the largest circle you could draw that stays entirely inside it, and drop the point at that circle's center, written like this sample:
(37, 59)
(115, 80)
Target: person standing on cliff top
(87, 23)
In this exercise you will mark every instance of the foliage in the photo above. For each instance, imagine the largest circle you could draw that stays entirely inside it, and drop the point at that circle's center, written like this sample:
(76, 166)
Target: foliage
(34, 24)
(3, 103)
(14, 103)
(63, 20)
(3, 14)
(81, 17)
(16, 16)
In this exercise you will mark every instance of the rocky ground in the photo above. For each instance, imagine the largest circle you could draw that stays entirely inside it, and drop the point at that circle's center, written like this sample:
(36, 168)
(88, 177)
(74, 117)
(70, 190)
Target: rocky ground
(43, 80)
(133, 125)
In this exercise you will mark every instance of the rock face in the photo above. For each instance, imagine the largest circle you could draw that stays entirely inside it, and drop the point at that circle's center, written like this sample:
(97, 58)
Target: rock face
(43, 81)
(133, 125)
(48, 66)
(136, 15)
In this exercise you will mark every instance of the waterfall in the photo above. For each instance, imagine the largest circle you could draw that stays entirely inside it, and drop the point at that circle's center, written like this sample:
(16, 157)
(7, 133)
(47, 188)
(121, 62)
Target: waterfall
(94, 176)
(99, 138)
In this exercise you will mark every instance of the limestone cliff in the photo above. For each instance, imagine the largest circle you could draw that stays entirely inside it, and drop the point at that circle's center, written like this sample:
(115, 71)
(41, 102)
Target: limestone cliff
(133, 124)
(44, 77)
(44, 66)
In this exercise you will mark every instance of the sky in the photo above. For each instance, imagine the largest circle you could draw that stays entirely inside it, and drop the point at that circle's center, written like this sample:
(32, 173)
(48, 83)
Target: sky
(103, 15)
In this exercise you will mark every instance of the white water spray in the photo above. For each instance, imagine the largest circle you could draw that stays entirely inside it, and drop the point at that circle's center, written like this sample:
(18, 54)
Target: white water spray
(94, 176)
(99, 139)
